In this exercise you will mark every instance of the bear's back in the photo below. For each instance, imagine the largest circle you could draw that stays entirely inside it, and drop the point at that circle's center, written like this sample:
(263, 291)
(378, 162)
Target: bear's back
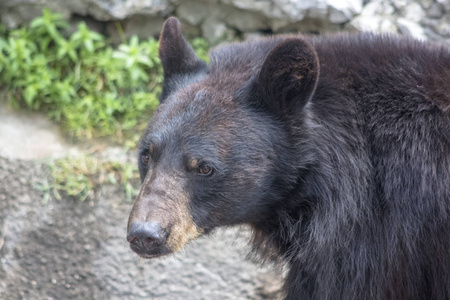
(385, 65)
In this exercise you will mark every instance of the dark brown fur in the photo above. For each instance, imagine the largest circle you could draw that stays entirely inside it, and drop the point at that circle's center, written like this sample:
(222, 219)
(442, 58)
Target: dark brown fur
(334, 149)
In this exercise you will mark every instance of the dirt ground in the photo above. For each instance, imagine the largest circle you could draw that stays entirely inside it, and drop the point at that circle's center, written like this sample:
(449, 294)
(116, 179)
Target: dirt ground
(69, 249)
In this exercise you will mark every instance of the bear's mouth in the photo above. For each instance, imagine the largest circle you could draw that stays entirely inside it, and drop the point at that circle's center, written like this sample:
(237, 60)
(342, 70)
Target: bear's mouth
(147, 250)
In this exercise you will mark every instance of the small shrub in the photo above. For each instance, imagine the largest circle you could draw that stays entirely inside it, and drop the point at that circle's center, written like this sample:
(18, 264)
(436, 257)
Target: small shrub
(81, 81)
(81, 176)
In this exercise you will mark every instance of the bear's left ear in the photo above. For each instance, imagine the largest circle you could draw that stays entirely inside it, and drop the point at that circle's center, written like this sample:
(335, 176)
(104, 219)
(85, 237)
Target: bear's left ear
(289, 76)
(177, 56)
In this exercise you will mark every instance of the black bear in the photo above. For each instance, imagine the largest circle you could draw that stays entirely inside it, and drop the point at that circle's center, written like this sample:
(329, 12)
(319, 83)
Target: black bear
(335, 150)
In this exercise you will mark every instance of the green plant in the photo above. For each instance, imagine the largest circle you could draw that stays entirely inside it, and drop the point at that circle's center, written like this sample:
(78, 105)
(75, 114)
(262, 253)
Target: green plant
(81, 176)
(81, 81)
(201, 47)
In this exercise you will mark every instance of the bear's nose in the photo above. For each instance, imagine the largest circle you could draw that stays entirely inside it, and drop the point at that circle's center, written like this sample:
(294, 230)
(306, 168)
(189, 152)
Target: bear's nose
(146, 234)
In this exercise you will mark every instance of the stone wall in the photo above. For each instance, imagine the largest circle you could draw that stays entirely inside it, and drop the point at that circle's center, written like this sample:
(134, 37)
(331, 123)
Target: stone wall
(217, 20)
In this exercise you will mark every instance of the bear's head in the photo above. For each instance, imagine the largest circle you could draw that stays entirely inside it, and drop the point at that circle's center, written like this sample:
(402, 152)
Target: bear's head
(222, 148)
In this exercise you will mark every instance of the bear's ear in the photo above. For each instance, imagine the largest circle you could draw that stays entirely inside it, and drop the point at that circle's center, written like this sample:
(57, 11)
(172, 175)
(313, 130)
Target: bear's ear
(177, 56)
(289, 76)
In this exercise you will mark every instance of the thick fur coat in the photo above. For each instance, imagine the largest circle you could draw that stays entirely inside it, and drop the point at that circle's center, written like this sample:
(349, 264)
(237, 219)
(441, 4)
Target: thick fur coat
(334, 149)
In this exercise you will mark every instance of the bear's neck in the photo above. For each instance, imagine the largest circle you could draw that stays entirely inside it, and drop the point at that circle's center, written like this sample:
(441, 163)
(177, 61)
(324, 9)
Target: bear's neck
(309, 226)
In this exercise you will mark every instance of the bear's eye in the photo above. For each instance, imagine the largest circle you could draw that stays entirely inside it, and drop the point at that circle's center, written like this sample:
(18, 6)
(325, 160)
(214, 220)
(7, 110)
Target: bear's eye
(145, 158)
(146, 154)
(204, 170)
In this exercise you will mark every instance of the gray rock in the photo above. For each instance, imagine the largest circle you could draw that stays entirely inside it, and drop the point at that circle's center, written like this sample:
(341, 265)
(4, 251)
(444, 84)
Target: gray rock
(435, 11)
(14, 13)
(376, 16)
(225, 19)
(140, 25)
(215, 32)
(414, 12)
(242, 20)
(119, 9)
(194, 13)
(410, 28)
(344, 11)
(445, 4)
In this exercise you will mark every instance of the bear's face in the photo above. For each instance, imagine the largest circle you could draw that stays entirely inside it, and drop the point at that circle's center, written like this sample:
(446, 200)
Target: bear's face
(211, 156)
(202, 169)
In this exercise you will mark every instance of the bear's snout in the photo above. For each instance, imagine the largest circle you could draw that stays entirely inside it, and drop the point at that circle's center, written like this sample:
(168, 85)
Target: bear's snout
(147, 239)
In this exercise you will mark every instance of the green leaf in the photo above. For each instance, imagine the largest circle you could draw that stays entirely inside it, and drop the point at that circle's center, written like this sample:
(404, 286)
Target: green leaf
(89, 45)
(37, 22)
(29, 94)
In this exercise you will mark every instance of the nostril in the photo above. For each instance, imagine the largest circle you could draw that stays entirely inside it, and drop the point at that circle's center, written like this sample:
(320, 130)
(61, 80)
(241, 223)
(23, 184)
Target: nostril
(149, 241)
(132, 240)
(148, 233)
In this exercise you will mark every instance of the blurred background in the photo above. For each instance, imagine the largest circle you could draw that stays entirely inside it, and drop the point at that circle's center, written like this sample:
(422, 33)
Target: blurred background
(218, 20)
(79, 81)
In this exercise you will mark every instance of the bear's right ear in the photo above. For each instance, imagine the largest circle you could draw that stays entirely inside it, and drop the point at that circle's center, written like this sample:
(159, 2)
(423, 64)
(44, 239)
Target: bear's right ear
(177, 56)
(288, 77)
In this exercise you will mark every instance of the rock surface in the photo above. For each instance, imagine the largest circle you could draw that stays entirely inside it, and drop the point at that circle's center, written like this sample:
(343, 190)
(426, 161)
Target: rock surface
(17, 142)
(425, 19)
(219, 20)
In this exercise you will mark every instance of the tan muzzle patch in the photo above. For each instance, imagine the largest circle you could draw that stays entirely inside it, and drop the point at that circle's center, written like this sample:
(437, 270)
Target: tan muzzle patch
(162, 200)
(183, 229)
